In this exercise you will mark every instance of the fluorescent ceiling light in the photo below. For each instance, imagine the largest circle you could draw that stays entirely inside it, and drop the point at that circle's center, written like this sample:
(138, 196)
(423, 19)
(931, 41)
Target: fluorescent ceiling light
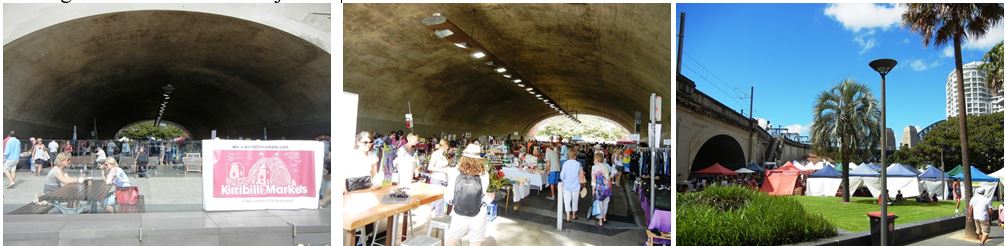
(490, 63)
(529, 89)
(506, 75)
(478, 54)
(462, 45)
(517, 81)
(443, 33)
(521, 85)
(501, 70)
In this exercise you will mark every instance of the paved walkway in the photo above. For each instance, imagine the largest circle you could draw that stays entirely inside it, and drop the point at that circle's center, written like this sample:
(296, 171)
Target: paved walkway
(169, 191)
(957, 238)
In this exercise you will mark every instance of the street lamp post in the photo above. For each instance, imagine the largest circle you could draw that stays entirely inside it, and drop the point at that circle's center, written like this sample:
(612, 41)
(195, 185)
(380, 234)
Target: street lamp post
(883, 66)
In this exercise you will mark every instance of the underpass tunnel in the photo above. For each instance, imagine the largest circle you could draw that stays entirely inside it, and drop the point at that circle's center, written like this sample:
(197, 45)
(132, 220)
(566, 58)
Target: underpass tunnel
(595, 59)
(229, 74)
(722, 149)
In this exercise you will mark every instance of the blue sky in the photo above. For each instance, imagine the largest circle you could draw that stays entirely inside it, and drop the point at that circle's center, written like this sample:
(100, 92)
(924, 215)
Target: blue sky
(792, 52)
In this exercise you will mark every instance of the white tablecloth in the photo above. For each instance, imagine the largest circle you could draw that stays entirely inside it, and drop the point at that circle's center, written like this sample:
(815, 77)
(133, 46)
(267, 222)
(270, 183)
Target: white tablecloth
(534, 179)
(520, 191)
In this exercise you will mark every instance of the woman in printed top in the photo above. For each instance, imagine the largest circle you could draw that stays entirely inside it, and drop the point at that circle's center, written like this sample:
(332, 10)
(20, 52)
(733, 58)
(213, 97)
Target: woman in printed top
(600, 175)
(115, 176)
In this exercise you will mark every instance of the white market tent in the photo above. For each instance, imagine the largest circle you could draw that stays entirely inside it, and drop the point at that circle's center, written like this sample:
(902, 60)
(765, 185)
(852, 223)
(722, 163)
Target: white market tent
(824, 182)
(933, 181)
(744, 170)
(865, 175)
(902, 178)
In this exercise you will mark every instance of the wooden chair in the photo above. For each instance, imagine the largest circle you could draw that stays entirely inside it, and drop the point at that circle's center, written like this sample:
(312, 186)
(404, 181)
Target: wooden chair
(650, 236)
(193, 164)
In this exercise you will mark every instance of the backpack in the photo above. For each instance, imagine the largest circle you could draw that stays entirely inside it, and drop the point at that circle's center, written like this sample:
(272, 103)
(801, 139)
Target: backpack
(467, 195)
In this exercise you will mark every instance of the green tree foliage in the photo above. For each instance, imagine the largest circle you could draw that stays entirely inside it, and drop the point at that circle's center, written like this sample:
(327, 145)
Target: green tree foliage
(994, 67)
(985, 138)
(591, 128)
(147, 129)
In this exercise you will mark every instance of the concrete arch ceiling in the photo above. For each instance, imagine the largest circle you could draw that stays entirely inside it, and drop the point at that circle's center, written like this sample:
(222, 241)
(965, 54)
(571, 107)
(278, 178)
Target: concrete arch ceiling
(599, 59)
(232, 75)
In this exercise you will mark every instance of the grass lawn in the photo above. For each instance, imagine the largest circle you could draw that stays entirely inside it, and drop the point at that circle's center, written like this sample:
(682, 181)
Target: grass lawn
(852, 216)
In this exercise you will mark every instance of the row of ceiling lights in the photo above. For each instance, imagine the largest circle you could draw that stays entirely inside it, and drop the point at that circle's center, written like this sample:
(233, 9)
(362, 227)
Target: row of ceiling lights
(446, 30)
(167, 89)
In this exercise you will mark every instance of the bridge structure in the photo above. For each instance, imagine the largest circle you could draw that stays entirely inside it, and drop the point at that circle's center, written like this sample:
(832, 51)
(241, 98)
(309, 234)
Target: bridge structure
(709, 132)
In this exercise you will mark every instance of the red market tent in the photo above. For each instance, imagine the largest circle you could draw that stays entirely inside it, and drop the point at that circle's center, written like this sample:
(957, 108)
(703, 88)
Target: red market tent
(715, 170)
(780, 183)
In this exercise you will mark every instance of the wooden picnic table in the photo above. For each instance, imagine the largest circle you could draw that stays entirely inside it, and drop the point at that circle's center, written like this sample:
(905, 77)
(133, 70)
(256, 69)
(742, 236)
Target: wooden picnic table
(92, 191)
(364, 207)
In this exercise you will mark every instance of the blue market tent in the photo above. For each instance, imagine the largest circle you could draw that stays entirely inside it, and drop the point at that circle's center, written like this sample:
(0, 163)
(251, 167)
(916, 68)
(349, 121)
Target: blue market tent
(755, 167)
(932, 173)
(977, 176)
(900, 170)
(826, 172)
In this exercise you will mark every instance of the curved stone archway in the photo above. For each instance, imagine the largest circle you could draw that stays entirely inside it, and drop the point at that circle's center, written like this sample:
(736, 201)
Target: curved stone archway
(722, 149)
(232, 75)
(597, 59)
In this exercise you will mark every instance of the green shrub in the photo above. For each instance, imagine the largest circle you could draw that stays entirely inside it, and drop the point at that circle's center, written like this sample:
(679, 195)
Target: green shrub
(733, 215)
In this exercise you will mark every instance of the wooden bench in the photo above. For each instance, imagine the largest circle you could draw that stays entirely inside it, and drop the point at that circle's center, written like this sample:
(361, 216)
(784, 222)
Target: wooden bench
(32, 208)
(82, 161)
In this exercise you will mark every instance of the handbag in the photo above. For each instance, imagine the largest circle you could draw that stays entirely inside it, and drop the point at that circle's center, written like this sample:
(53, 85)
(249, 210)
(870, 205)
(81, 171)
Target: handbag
(358, 183)
(128, 195)
(595, 208)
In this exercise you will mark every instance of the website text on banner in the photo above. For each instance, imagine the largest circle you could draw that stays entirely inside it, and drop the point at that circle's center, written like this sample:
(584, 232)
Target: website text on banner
(251, 175)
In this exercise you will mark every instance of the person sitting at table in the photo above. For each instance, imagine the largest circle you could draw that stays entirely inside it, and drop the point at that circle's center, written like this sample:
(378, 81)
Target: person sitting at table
(362, 164)
(468, 195)
(924, 197)
(100, 156)
(58, 178)
(115, 176)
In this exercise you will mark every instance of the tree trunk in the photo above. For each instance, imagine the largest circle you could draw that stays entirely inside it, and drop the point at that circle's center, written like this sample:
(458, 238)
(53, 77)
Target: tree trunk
(845, 173)
(962, 120)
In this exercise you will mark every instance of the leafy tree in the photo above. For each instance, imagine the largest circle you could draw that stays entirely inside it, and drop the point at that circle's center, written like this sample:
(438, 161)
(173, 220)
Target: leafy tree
(846, 119)
(940, 23)
(591, 128)
(994, 68)
(147, 129)
(985, 136)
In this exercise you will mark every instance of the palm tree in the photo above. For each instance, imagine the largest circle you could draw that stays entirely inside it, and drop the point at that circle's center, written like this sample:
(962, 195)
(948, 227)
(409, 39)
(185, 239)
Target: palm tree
(940, 23)
(847, 117)
(994, 68)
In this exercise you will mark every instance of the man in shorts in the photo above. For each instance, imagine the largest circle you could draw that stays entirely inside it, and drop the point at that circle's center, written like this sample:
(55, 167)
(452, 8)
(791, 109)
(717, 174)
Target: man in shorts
(552, 160)
(11, 154)
(980, 209)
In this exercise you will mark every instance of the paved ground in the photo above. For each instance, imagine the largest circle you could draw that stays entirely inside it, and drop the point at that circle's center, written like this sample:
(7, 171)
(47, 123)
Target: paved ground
(168, 190)
(957, 238)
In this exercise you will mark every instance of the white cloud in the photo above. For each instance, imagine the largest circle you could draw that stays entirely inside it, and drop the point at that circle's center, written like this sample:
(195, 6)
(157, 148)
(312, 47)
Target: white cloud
(984, 43)
(865, 40)
(921, 65)
(763, 123)
(948, 51)
(859, 16)
(797, 128)
(863, 19)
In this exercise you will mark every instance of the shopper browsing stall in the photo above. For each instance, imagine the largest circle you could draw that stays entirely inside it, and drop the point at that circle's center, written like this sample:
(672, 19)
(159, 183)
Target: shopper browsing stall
(469, 198)
(571, 177)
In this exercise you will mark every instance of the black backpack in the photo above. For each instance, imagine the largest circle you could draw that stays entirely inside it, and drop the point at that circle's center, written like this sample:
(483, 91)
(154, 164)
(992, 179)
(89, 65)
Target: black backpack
(467, 195)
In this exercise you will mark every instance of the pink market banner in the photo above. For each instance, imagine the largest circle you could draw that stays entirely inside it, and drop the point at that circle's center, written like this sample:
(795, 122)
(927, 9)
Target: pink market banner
(250, 175)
